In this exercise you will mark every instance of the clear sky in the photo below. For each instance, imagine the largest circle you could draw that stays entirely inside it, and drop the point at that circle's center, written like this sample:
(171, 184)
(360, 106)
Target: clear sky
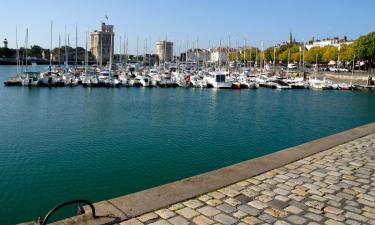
(207, 21)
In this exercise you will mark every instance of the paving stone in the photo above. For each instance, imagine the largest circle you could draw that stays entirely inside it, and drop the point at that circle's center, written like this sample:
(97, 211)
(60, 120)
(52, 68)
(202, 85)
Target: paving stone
(257, 204)
(239, 214)
(187, 213)
(315, 204)
(333, 222)
(334, 203)
(352, 209)
(281, 191)
(313, 223)
(369, 215)
(334, 216)
(250, 210)
(202, 220)
(165, 213)
(205, 198)
(243, 198)
(280, 222)
(367, 203)
(208, 211)
(355, 216)
(229, 192)
(216, 195)
(160, 222)
(333, 210)
(293, 209)
(193, 204)
(282, 198)
(352, 222)
(226, 208)
(267, 218)
(214, 202)
(278, 204)
(131, 222)
(297, 204)
(296, 219)
(178, 220)
(148, 216)
(277, 213)
(313, 216)
(368, 209)
(225, 219)
(251, 220)
(176, 207)
(232, 201)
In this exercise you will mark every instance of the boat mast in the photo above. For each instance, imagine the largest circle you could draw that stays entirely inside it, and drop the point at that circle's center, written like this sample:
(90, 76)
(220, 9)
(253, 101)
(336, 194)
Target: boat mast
(59, 50)
(219, 55)
(256, 59)
(303, 56)
(288, 61)
(251, 51)
(244, 53)
(26, 44)
(66, 50)
(76, 61)
(186, 50)
(18, 52)
(120, 58)
(137, 52)
(86, 55)
(197, 55)
(262, 56)
(110, 54)
(50, 49)
(126, 52)
(274, 59)
(228, 53)
(101, 49)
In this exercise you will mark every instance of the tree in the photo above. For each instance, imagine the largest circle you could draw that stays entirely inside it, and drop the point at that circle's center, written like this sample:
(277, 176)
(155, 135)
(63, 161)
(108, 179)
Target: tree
(365, 48)
(314, 54)
(346, 53)
(36, 51)
(329, 53)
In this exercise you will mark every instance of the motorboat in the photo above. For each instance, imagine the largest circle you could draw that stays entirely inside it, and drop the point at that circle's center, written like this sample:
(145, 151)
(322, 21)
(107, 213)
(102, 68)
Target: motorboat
(219, 80)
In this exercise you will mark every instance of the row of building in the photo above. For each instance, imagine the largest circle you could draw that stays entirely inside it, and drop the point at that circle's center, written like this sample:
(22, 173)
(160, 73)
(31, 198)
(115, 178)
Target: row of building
(102, 46)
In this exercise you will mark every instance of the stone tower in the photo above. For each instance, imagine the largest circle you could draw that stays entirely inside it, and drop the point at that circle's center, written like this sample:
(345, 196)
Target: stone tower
(5, 43)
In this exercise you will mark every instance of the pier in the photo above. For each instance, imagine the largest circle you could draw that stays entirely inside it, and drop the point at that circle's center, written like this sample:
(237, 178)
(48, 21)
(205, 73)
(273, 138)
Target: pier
(325, 181)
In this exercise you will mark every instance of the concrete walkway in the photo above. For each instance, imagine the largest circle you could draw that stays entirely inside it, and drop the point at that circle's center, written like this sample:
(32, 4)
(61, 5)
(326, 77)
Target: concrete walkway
(336, 186)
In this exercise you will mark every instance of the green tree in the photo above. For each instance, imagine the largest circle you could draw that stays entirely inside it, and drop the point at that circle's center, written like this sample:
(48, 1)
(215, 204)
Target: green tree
(347, 53)
(314, 54)
(35, 51)
(329, 53)
(365, 48)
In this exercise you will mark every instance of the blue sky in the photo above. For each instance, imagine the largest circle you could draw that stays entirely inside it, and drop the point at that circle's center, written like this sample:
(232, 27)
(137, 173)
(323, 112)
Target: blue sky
(207, 21)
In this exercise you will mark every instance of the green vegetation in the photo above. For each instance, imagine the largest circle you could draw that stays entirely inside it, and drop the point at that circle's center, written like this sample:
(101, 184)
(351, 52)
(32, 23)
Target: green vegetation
(364, 48)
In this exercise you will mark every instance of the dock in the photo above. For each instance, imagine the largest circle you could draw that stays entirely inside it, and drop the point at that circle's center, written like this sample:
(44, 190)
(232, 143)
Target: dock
(326, 181)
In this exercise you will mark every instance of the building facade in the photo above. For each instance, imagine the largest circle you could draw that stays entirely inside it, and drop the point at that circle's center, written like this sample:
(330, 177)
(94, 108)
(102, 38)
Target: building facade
(164, 50)
(101, 44)
(335, 42)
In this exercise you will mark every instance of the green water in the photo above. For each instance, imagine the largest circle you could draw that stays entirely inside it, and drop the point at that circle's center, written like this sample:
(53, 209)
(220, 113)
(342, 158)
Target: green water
(59, 144)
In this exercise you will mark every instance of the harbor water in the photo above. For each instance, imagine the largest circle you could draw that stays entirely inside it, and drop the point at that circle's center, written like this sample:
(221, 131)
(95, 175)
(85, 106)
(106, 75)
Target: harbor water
(60, 144)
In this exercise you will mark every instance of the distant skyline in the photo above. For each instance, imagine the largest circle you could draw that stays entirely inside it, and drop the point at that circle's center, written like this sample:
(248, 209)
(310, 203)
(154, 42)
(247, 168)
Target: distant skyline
(206, 21)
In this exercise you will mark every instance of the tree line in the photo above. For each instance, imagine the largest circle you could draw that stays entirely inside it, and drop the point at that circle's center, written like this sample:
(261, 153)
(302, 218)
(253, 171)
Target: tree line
(363, 49)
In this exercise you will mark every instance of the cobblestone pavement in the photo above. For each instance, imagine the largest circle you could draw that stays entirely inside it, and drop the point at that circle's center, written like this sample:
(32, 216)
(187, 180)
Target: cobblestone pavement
(336, 186)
